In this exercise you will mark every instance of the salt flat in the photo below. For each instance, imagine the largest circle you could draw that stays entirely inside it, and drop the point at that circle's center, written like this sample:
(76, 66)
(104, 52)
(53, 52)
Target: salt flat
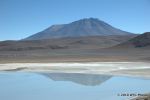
(140, 69)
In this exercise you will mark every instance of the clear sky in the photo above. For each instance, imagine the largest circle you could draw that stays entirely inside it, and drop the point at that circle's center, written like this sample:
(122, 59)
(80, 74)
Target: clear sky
(21, 18)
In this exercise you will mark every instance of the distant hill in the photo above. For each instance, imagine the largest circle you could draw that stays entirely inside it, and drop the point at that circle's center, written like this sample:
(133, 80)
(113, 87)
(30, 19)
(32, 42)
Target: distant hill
(140, 41)
(80, 28)
(89, 42)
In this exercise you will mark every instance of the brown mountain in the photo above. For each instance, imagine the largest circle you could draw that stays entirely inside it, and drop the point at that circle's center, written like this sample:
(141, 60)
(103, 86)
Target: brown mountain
(84, 49)
(140, 41)
(90, 42)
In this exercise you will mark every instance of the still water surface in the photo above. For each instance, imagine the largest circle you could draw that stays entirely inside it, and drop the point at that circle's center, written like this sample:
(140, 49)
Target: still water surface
(65, 86)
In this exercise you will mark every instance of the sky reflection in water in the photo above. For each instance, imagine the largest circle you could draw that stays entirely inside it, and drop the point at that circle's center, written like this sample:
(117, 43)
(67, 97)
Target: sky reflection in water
(69, 86)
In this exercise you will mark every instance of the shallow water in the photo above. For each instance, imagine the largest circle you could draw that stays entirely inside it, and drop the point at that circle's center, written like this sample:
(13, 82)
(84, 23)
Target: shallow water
(61, 86)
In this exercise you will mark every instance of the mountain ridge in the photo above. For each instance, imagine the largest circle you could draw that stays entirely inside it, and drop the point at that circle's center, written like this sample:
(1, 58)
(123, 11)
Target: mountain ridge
(90, 42)
(79, 28)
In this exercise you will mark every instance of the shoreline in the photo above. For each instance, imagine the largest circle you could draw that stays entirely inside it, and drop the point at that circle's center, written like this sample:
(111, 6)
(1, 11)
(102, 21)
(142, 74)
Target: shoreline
(131, 69)
(145, 97)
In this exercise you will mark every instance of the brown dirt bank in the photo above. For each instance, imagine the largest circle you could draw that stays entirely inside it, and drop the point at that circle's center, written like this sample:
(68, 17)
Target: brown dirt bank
(75, 55)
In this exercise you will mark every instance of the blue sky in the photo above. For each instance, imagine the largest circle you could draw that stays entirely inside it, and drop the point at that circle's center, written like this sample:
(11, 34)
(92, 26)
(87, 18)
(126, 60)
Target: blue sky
(21, 18)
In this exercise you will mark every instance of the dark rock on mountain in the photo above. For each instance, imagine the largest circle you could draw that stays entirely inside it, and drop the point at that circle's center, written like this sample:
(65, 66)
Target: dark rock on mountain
(139, 41)
(80, 28)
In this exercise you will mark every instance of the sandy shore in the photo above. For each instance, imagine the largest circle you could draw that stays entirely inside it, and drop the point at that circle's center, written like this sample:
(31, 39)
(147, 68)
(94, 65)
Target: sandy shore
(145, 97)
(137, 69)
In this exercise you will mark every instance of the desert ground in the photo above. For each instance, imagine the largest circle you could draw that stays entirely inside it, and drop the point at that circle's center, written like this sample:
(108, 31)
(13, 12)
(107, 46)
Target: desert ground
(76, 55)
(132, 61)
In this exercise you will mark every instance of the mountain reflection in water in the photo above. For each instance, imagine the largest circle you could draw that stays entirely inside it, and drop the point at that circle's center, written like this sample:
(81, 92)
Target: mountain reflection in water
(82, 79)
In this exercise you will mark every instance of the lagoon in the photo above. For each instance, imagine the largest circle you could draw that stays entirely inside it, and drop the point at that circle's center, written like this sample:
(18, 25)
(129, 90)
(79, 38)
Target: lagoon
(69, 86)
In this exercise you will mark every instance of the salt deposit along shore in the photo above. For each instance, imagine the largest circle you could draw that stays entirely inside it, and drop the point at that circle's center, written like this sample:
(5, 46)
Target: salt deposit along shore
(136, 69)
